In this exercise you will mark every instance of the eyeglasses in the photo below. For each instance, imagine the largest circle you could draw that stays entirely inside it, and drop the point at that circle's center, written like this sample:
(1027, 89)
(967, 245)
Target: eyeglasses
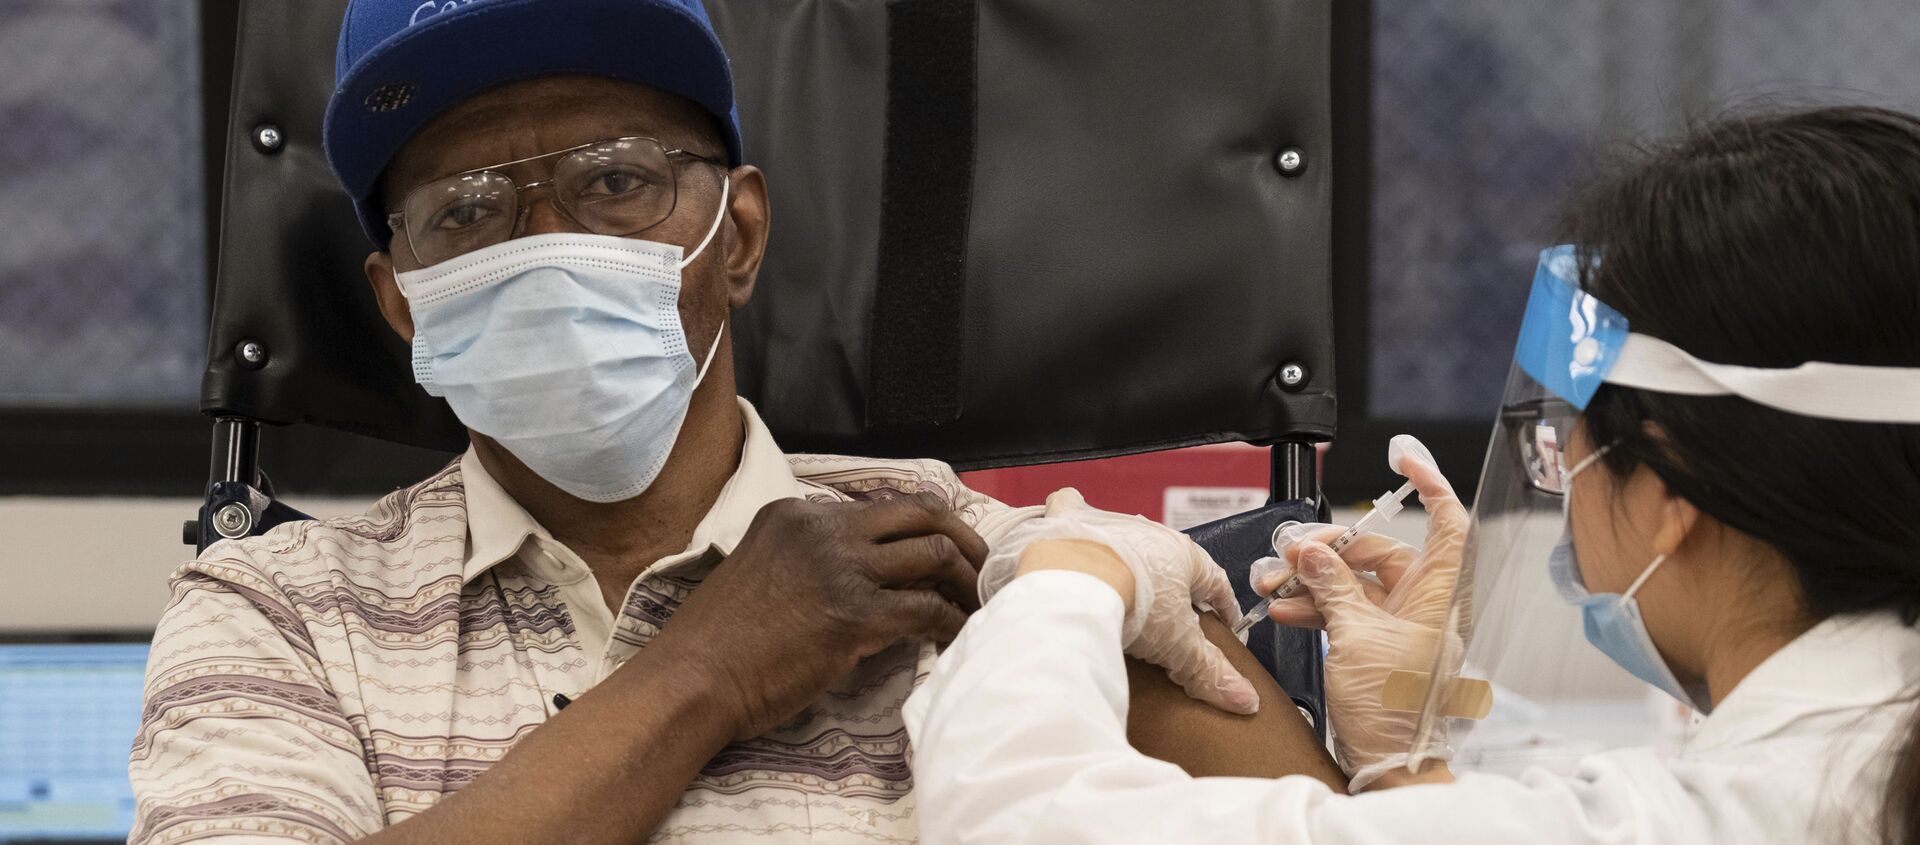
(618, 187)
(1538, 430)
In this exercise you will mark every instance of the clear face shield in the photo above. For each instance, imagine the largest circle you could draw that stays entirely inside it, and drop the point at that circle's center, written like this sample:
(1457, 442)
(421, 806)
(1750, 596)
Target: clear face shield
(1508, 623)
(1555, 698)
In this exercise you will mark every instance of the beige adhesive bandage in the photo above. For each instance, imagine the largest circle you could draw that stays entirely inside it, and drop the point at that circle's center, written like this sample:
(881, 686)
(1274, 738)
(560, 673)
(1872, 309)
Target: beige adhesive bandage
(1467, 698)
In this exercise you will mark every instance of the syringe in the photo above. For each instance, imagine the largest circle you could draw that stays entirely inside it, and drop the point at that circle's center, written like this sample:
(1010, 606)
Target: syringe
(1384, 508)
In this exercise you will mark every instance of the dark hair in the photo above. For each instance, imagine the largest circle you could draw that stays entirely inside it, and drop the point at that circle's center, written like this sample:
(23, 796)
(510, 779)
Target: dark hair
(1771, 240)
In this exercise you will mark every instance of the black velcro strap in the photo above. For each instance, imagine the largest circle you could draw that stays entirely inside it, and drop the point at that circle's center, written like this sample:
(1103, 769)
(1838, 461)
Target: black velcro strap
(914, 348)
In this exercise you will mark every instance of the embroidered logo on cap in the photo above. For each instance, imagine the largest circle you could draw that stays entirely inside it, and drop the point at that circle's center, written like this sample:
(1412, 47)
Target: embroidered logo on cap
(430, 8)
(390, 96)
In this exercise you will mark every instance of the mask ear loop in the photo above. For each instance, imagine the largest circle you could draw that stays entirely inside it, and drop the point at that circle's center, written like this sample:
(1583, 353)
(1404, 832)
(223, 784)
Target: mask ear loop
(1577, 469)
(1584, 463)
(1648, 573)
(711, 352)
(726, 188)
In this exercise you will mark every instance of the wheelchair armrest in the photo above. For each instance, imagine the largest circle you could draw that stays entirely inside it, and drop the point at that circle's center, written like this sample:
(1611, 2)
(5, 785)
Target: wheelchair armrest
(1291, 655)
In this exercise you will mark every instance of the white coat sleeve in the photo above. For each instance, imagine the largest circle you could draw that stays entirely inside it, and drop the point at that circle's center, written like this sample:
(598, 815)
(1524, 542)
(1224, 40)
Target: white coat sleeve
(1019, 736)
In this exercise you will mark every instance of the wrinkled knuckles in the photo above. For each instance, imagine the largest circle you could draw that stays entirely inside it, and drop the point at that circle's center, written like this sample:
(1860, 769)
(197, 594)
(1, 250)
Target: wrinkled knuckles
(817, 524)
(939, 547)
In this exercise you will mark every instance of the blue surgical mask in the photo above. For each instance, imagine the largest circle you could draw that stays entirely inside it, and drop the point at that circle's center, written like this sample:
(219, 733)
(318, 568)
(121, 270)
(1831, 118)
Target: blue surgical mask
(1612, 620)
(567, 349)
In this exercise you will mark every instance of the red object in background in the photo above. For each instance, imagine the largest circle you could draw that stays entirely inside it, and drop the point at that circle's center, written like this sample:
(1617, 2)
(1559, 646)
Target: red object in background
(1181, 487)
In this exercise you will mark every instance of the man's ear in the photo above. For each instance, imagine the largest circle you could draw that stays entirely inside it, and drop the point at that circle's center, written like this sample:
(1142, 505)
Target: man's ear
(386, 292)
(749, 217)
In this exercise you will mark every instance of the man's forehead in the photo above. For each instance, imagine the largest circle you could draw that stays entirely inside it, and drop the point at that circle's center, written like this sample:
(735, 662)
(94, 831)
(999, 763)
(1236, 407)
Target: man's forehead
(531, 117)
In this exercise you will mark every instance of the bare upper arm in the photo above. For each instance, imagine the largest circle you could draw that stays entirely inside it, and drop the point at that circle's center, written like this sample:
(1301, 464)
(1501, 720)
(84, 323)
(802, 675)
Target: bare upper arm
(1164, 723)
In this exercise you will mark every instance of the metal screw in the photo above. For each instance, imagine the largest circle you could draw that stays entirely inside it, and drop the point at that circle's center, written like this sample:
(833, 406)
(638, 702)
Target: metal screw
(1292, 376)
(267, 138)
(232, 520)
(252, 354)
(1291, 161)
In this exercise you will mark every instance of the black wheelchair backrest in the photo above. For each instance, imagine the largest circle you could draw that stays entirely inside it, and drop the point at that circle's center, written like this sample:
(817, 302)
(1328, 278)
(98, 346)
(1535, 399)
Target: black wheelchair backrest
(1004, 232)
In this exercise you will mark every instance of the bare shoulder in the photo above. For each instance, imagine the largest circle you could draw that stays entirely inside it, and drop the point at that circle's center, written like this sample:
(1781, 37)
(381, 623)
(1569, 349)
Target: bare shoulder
(1164, 723)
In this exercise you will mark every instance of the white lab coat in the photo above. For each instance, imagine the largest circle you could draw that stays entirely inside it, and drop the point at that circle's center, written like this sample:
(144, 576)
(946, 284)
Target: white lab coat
(1019, 736)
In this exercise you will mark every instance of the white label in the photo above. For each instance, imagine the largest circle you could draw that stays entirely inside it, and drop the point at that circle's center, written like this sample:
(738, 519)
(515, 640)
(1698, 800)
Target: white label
(1186, 507)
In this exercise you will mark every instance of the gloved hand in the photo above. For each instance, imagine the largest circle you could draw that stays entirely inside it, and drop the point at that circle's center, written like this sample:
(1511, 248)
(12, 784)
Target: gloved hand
(1170, 574)
(1394, 619)
(1367, 554)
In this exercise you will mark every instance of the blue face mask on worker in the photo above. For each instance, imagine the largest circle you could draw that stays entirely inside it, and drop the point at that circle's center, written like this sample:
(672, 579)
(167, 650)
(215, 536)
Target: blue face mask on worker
(567, 349)
(1612, 620)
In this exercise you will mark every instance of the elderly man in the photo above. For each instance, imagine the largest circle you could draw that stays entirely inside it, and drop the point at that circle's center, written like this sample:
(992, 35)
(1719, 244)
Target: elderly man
(624, 613)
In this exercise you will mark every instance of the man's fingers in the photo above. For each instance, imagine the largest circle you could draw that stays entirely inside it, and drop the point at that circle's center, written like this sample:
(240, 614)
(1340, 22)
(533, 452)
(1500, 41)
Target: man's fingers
(918, 613)
(921, 513)
(901, 516)
(929, 559)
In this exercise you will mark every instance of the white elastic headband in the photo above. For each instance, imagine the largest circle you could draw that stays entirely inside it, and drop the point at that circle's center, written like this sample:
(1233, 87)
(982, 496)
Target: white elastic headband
(1814, 389)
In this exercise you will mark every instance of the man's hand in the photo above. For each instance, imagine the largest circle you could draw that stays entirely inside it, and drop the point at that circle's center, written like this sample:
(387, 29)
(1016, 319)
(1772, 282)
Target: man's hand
(813, 588)
(810, 590)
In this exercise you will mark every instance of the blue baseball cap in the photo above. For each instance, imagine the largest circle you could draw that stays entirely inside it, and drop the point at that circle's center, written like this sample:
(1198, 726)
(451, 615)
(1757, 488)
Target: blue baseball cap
(402, 62)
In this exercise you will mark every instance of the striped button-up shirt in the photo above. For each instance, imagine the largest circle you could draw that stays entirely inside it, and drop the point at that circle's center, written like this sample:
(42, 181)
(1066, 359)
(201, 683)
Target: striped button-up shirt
(333, 677)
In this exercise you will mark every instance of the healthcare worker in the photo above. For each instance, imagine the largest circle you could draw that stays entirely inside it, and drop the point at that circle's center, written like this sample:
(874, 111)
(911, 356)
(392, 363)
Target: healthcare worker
(1715, 408)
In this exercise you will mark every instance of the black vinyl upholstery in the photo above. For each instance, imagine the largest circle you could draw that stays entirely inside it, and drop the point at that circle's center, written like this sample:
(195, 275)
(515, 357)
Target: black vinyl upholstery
(1135, 268)
(290, 255)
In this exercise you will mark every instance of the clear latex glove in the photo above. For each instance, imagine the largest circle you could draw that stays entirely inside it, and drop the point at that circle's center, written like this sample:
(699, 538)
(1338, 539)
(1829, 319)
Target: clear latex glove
(1384, 606)
(1368, 554)
(1171, 574)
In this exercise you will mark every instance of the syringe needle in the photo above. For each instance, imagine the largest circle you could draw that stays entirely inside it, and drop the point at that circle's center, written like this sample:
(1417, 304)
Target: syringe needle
(1384, 509)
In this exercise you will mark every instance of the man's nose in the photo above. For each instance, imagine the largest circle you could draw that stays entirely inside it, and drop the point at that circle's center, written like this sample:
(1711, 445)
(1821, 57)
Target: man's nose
(544, 216)
(541, 212)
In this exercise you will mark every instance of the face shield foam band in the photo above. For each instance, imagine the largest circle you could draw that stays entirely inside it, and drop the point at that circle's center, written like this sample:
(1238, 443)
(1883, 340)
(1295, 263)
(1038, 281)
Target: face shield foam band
(1814, 389)
(1571, 342)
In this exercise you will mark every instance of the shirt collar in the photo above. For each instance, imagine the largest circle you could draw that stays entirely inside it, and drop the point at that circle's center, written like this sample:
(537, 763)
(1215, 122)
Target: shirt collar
(498, 527)
(1845, 663)
(764, 475)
